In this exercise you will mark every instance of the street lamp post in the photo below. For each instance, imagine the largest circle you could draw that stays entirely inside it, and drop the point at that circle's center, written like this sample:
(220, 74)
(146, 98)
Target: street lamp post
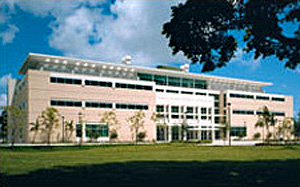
(81, 123)
(229, 122)
(63, 128)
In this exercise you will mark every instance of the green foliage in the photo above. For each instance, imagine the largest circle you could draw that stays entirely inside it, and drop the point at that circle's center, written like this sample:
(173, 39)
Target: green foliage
(202, 30)
(256, 136)
(15, 123)
(141, 136)
(205, 141)
(113, 135)
(69, 128)
(50, 121)
(35, 127)
(111, 120)
(136, 123)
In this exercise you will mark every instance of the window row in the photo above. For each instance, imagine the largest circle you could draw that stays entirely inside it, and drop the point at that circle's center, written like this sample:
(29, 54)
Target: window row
(274, 113)
(99, 83)
(173, 81)
(98, 105)
(133, 86)
(258, 97)
(251, 112)
(65, 80)
(131, 106)
(189, 109)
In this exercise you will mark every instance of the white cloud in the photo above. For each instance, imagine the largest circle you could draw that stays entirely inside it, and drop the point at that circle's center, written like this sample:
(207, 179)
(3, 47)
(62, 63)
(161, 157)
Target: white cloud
(3, 88)
(9, 34)
(246, 60)
(3, 81)
(136, 31)
(3, 100)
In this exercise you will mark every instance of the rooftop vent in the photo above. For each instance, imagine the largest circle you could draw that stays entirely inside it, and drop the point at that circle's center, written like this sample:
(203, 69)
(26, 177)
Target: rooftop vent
(126, 60)
(168, 68)
(185, 67)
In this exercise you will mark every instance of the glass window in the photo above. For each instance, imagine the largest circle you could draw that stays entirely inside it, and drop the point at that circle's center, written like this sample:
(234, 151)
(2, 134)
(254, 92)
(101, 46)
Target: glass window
(175, 133)
(238, 131)
(160, 79)
(159, 108)
(175, 109)
(78, 130)
(172, 91)
(278, 99)
(98, 83)
(131, 106)
(173, 81)
(95, 130)
(262, 97)
(243, 96)
(145, 77)
(189, 109)
(188, 83)
(189, 93)
(200, 84)
(203, 110)
(64, 80)
(98, 105)
(66, 103)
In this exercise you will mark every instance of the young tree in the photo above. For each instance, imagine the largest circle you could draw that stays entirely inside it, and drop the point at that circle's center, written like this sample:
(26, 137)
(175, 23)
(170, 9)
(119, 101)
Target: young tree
(110, 119)
(287, 127)
(35, 127)
(297, 125)
(137, 122)
(69, 128)
(202, 30)
(50, 121)
(265, 120)
(16, 123)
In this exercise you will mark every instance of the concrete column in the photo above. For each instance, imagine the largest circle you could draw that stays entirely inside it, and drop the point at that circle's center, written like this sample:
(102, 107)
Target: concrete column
(169, 133)
(213, 134)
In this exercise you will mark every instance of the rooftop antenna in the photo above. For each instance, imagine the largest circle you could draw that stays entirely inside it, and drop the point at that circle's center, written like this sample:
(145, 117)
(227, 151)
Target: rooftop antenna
(126, 60)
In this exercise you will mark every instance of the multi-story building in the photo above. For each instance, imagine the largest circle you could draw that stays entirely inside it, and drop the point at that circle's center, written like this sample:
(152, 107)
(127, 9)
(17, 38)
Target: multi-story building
(183, 100)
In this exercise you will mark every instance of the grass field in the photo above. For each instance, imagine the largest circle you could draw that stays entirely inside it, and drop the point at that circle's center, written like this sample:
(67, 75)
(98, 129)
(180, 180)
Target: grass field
(170, 164)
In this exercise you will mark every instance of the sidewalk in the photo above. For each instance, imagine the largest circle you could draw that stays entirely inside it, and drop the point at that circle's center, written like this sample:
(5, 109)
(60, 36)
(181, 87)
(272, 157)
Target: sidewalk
(233, 143)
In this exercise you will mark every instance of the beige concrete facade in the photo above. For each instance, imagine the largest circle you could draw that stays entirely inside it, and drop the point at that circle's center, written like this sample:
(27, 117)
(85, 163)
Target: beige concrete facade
(41, 91)
(34, 93)
(249, 121)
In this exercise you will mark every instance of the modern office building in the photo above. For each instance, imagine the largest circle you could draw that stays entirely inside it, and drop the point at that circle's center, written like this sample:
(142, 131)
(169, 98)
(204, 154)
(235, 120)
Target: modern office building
(196, 102)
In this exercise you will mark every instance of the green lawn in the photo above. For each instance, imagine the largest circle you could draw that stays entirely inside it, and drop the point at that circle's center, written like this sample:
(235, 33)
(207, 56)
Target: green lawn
(171, 164)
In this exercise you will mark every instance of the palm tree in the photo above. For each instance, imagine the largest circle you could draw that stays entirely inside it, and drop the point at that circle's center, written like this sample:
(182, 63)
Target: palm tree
(69, 128)
(50, 121)
(35, 127)
(264, 121)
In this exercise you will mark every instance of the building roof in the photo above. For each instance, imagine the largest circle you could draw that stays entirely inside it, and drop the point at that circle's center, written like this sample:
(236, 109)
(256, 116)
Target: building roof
(34, 58)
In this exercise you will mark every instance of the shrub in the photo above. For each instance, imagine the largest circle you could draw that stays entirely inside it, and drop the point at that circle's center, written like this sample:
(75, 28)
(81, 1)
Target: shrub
(205, 141)
(113, 135)
(256, 136)
(141, 136)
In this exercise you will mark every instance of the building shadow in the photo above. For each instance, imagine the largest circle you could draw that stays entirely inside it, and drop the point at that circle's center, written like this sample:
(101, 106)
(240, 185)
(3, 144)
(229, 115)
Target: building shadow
(165, 173)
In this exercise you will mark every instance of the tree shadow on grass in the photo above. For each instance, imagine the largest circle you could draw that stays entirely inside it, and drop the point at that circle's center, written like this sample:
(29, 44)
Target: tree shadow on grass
(165, 173)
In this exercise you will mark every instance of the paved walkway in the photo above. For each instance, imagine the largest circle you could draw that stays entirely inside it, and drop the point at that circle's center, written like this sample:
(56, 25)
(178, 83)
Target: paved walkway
(234, 143)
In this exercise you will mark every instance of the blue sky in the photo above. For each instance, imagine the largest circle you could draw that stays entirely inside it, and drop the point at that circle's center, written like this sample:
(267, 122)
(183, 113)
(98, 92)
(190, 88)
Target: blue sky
(107, 31)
